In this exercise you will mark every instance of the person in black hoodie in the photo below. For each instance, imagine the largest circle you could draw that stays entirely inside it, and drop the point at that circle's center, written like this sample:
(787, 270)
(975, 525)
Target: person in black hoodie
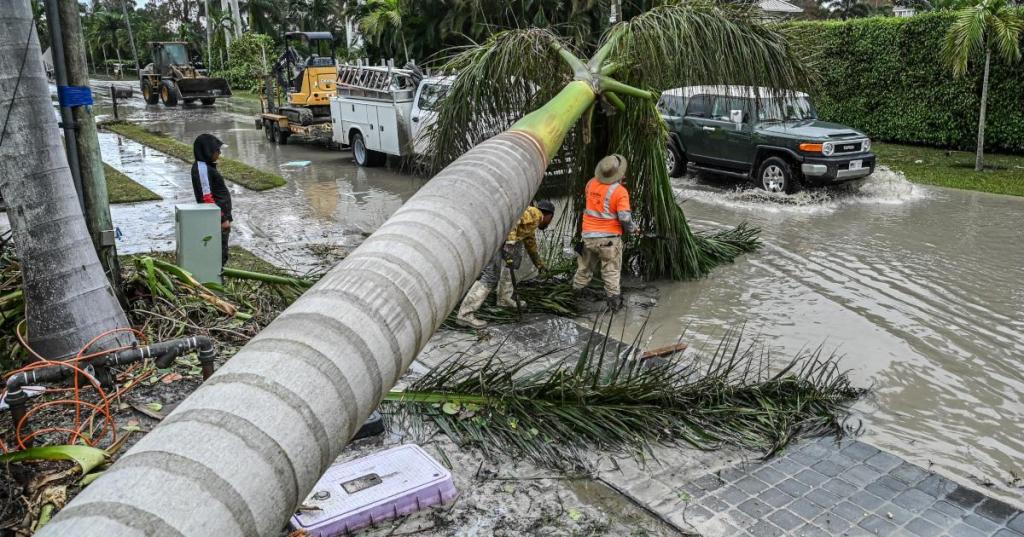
(208, 184)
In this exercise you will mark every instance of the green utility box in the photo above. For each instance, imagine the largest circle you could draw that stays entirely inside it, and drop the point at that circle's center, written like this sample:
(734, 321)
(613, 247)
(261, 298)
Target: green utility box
(197, 231)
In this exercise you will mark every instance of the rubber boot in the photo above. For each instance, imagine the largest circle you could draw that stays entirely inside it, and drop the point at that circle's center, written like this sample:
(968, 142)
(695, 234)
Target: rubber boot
(474, 299)
(505, 296)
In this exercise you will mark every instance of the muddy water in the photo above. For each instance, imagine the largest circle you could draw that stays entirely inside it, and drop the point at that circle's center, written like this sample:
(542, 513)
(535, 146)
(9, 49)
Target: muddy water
(921, 289)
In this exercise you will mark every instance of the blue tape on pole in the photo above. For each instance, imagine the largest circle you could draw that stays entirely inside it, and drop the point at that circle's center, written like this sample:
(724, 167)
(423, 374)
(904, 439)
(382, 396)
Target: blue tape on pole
(72, 96)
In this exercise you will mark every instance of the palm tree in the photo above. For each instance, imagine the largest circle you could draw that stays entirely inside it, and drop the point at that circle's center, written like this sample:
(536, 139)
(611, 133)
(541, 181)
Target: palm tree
(222, 24)
(382, 22)
(69, 297)
(109, 25)
(988, 25)
(515, 72)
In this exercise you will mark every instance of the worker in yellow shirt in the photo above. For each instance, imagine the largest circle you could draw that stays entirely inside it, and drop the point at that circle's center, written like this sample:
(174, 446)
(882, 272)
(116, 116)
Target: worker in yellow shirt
(606, 218)
(508, 258)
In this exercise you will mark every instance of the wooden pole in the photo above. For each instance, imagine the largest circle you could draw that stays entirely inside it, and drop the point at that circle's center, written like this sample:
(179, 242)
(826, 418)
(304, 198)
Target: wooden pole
(94, 183)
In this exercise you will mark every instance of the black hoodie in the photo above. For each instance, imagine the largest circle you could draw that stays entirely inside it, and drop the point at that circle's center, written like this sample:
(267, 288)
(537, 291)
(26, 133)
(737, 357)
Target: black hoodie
(207, 183)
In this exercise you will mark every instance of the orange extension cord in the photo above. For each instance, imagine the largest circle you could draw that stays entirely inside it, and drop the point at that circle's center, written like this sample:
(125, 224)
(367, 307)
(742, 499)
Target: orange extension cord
(75, 433)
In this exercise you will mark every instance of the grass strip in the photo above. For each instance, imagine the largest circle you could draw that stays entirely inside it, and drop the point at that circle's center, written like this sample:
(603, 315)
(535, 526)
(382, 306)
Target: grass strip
(1003, 174)
(123, 189)
(232, 170)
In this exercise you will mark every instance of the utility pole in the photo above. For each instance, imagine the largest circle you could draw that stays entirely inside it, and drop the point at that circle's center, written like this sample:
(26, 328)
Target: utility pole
(131, 36)
(93, 181)
(60, 74)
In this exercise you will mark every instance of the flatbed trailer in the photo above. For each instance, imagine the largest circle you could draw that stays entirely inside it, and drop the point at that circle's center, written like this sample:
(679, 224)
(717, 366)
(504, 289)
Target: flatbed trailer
(278, 128)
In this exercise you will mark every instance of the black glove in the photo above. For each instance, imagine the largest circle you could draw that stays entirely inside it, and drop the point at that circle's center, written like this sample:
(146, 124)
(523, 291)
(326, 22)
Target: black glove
(508, 252)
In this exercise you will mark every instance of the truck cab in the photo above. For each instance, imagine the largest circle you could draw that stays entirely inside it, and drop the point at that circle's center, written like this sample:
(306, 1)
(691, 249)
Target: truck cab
(424, 110)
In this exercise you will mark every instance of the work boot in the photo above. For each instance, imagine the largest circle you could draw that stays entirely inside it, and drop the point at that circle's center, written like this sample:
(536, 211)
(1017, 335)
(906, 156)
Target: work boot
(505, 296)
(615, 302)
(471, 304)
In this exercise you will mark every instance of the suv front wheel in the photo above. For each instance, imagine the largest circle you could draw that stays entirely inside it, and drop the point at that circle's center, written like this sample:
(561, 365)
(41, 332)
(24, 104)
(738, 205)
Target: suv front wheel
(675, 162)
(776, 175)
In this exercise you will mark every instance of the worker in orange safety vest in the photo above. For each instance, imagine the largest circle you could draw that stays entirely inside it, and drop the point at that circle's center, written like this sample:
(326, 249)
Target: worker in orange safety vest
(606, 218)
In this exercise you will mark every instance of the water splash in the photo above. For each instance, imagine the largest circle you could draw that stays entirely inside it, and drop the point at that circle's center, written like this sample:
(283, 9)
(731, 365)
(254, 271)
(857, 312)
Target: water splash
(884, 186)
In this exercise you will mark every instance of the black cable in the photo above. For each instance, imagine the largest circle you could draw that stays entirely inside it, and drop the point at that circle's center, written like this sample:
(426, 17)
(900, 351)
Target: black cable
(17, 83)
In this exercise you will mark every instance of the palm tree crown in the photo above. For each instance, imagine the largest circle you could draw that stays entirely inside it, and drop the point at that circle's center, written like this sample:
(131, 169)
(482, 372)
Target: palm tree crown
(987, 25)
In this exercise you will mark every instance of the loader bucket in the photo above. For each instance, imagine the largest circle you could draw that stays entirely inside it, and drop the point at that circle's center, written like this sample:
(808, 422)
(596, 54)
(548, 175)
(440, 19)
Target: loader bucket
(195, 88)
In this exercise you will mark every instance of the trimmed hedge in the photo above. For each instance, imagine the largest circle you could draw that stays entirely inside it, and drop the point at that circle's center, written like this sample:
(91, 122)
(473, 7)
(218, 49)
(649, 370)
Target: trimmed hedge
(886, 77)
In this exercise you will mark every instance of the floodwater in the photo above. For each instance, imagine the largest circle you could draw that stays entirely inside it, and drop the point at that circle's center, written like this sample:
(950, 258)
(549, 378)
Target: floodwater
(920, 289)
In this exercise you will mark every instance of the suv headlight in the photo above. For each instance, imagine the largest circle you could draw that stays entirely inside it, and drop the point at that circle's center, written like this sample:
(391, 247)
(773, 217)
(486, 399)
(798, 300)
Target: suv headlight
(828, 148)
(867, 145)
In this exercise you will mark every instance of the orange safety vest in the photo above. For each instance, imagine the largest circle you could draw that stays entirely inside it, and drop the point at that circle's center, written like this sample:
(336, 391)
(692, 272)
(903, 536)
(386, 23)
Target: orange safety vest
(604, 202)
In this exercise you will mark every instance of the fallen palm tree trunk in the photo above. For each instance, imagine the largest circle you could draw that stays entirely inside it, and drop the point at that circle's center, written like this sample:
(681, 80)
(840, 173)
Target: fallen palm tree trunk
(250, 443)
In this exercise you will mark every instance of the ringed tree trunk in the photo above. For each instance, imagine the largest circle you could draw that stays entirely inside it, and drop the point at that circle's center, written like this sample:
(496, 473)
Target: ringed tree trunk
(979, 159)
(69, 298)
(347, 341)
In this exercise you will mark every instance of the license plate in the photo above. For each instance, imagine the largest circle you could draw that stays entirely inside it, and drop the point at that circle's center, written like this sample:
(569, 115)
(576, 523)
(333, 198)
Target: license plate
(856, 164)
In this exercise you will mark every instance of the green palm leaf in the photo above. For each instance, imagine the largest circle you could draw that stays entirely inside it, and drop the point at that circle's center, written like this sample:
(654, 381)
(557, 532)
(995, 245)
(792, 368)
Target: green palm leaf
(559, 413)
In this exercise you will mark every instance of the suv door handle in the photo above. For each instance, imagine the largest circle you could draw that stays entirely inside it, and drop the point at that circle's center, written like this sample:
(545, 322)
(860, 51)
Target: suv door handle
(708, 129)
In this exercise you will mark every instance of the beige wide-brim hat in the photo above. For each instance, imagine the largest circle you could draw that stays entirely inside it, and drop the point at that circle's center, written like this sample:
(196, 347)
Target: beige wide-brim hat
(611, 169)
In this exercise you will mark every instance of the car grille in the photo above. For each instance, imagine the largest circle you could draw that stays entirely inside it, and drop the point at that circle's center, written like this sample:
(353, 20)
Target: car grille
(852, 146)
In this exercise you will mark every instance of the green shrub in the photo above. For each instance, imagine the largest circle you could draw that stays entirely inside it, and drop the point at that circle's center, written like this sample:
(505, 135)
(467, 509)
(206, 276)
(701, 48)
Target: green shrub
(886, 77)
(252, 56)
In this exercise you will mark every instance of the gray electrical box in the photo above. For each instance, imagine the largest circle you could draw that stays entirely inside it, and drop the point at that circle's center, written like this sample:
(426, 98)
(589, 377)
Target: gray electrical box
(197, 231)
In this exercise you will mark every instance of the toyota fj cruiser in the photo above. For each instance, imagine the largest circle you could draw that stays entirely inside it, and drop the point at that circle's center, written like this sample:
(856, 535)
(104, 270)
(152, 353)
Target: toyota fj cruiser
(770, 137)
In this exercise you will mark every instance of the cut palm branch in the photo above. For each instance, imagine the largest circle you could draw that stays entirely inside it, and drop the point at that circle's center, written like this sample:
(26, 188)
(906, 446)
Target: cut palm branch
(167, 302)
(523, 72)
(559, 414)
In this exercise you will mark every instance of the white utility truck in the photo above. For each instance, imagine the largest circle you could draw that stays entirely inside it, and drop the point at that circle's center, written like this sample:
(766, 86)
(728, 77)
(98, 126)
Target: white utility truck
(381, 111)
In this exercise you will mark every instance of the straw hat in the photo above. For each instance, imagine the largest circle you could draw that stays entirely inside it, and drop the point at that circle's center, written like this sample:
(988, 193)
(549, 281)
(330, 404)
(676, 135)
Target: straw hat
(611, 169)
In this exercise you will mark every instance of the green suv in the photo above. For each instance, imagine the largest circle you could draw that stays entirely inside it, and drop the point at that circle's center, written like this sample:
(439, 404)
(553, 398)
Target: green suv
(775, 140)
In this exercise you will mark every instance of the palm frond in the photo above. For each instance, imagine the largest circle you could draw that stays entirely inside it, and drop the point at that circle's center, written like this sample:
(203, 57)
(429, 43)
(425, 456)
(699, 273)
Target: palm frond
(559, 414)
(699, 42)
(1007, 26)
(513, 73)
(966, 37)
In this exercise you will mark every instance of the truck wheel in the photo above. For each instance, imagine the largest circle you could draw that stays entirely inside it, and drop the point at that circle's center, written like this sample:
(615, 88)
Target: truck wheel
(208, 101)
(775, 175)
(364, 157)
(150, 96)
(168, 95)
(282, 134)
(268, 131)
(675, 162)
